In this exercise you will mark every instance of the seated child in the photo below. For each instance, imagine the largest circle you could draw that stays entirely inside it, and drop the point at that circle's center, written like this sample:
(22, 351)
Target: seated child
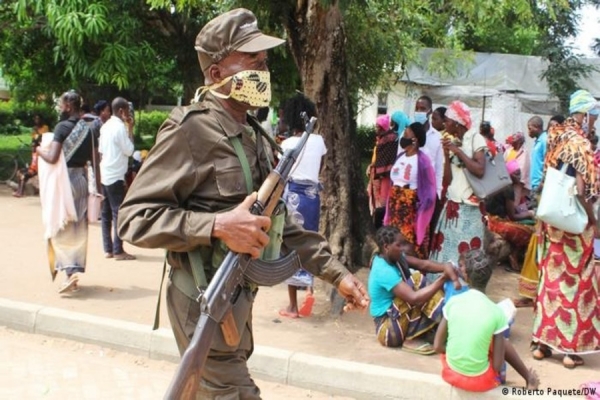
(403, 305)
(470, 335)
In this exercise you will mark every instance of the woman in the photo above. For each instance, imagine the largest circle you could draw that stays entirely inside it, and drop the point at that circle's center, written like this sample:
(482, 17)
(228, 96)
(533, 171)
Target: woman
(404, 308)
(412, 198)
(302, 193)
(460, 227)
(516, 151)
(399, 123)
(384, 155)
(487, 131)
(505, 219)
(567, 314)
(25, 174)
(437, 120)
(67, 247)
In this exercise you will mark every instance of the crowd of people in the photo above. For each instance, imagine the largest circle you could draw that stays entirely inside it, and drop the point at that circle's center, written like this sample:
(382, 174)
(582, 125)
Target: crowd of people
(439, 242)
(86, 152)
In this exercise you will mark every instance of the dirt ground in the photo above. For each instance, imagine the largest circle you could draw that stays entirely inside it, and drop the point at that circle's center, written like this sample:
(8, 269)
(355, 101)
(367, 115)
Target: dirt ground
(38, 366)
(127, 290)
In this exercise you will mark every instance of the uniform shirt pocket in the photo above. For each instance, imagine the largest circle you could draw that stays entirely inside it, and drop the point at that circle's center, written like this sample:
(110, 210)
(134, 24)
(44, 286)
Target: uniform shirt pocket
(230, 178)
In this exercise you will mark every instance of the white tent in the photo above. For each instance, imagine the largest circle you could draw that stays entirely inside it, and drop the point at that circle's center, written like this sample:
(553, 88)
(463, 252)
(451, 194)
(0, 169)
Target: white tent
(509, 86)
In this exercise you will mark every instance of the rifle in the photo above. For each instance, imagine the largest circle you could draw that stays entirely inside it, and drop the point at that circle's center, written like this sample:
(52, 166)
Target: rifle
(227, 284)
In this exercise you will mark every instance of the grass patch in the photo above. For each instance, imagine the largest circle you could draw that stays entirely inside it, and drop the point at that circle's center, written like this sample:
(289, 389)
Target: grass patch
(12, 144)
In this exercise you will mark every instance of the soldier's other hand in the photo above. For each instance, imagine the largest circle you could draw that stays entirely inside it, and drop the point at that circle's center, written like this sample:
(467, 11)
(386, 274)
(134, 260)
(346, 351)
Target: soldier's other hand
(354, 292)
(242, 231)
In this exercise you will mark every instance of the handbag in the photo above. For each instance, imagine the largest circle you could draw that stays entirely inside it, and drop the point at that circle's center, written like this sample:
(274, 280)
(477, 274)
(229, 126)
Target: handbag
(559, 205)
(495, 177)
(94, 198)
(94, 206)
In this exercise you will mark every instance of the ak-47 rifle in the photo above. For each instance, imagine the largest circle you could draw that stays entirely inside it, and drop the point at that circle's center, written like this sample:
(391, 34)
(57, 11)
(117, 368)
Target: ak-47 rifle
(227, 284)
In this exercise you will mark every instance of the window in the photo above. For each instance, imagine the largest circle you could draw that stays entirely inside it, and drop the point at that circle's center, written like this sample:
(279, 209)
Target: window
(382, 103)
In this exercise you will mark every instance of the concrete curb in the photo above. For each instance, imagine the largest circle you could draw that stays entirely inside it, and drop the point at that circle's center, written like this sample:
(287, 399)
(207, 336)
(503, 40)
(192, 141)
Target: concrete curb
(353, 379)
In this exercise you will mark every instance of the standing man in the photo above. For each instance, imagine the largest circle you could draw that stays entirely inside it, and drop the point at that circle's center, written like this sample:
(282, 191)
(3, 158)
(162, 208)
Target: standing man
(433, 141)
(535, 129)
(116, 146)
(192, 193)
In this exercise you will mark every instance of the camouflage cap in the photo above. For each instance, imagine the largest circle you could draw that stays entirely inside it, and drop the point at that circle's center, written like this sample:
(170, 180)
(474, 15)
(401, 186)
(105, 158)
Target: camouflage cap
(235, 30)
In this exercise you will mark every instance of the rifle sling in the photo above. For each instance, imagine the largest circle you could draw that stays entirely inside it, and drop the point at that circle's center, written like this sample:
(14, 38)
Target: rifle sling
(162, 280)
(239, 151)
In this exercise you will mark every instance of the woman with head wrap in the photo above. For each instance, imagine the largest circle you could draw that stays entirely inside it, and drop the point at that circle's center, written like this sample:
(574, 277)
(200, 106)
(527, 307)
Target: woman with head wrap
(460, 226)
(504, 222)
(567, 313)
(399, 123)
(412, 198)
(384, 155)
(517, 151)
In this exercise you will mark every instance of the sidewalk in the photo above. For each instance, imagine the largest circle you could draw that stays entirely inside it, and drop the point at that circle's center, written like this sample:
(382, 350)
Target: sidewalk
(123, 294)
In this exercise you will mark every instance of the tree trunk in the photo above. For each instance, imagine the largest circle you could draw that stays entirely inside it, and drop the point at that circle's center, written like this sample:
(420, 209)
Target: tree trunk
(318, 43)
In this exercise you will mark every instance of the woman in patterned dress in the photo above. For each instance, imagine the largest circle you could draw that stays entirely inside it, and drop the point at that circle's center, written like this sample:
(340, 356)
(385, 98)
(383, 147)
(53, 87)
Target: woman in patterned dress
(412, 198)
(460, 226)
(567, 314)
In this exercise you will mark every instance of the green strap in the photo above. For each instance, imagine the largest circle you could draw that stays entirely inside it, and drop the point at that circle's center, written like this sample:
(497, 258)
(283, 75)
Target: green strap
(199, 276)
(271, 141)
(162, 280)
(197, 265)
(239, 150)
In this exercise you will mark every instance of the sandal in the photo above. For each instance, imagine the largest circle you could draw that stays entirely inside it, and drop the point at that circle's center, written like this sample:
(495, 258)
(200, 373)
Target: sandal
(288, 314)
(418, 347)
(69, 285)
(572, 361)
(124, 257)
(108, 255)
(307, 306)
(540, 352)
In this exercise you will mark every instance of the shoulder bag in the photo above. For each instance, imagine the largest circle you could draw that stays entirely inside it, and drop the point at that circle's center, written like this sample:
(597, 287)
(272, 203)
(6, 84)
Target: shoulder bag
(559, 205)
(94, 198)
(495, 177)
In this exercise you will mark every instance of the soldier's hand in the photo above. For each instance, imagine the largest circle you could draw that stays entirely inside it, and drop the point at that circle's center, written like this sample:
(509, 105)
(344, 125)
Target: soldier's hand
(354, 292)
(242, 231)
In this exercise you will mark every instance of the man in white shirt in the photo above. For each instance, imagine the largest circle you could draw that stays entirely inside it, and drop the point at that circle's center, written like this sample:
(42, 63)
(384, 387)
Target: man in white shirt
(433, 143)
(115, 147)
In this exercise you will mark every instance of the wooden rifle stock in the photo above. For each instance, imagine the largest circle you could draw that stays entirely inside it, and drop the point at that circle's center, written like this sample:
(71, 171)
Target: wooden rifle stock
(226, 285)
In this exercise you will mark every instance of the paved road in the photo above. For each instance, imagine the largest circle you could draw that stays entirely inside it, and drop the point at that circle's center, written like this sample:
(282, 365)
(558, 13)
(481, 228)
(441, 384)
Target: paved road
(42, 367)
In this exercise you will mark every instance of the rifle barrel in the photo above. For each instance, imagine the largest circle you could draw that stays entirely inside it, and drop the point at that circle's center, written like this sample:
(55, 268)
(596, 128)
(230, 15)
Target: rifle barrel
(184, 384)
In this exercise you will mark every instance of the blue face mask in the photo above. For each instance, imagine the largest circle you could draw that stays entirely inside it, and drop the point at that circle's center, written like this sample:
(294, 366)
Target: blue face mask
(421, 117)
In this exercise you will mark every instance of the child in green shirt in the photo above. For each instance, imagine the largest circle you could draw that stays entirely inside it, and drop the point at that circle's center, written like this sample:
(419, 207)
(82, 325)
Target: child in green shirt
(470, 335)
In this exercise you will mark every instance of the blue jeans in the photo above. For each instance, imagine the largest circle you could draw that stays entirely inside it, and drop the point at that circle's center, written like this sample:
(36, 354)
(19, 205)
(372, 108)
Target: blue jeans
(113, 197)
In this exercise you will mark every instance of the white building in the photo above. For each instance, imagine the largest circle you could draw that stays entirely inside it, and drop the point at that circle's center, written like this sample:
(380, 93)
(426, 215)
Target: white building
(510, 86)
